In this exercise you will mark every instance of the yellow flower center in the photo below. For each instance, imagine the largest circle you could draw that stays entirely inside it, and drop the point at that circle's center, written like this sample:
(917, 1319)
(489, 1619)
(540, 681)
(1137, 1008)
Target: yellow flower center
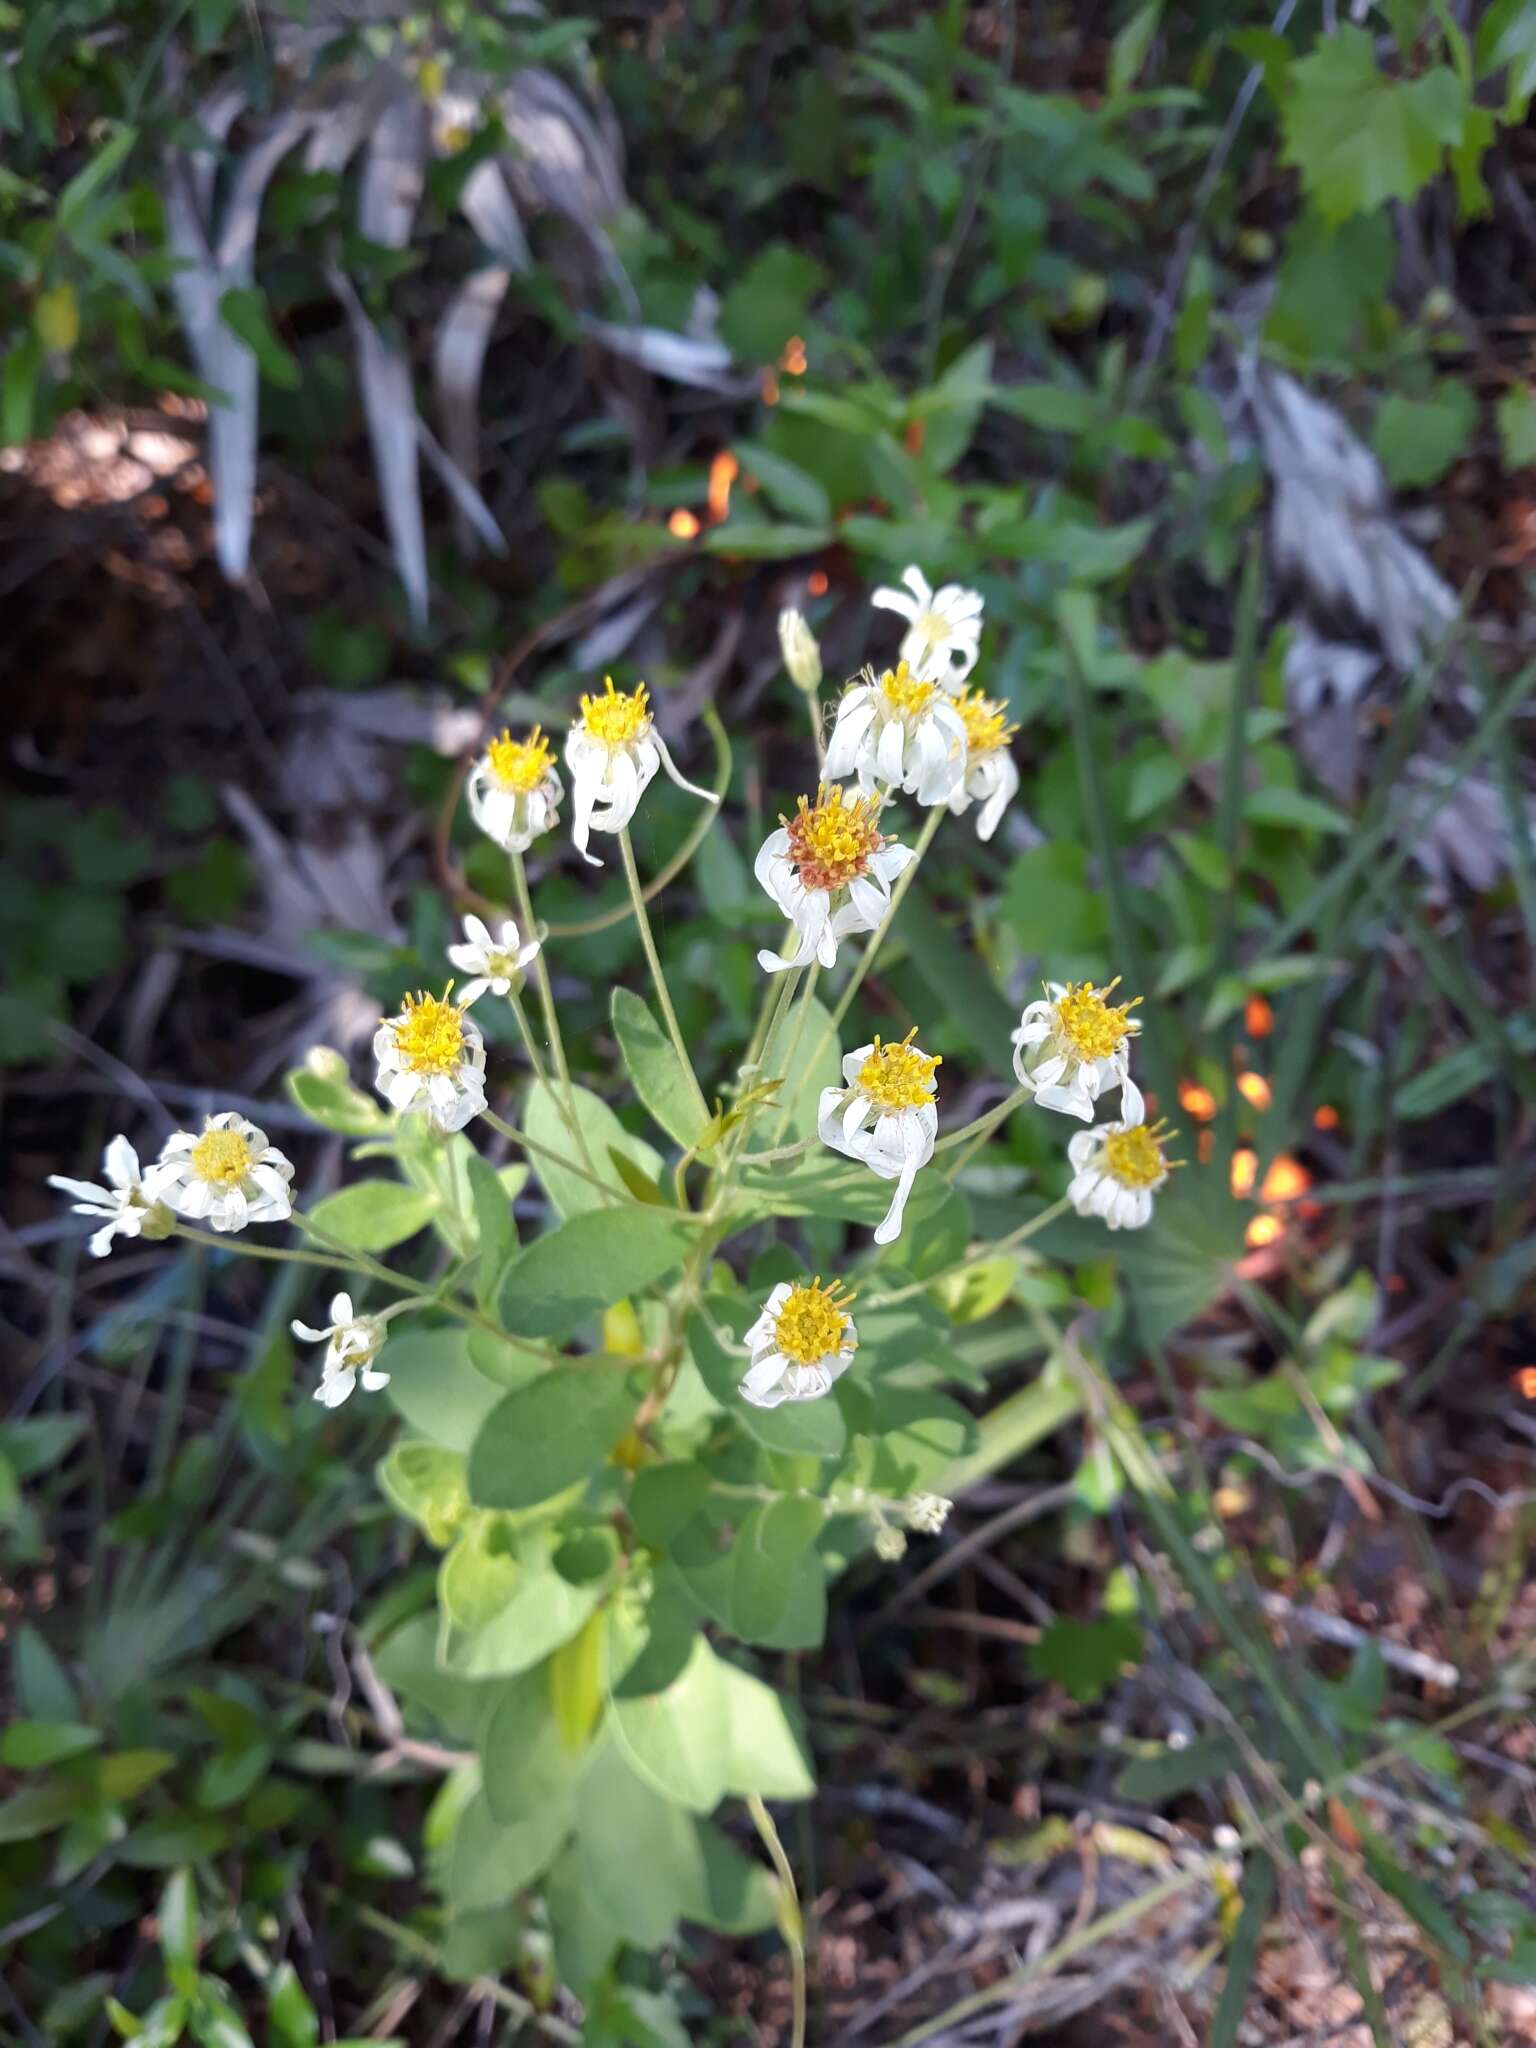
(430, 1034)
(519, 765)
(898, 1076)
(986, 722)
(618, 716)
(1093, 1028)
(222, 1157)
(904, 693)
(810, 1325)
(1136, 1157)
(831, 841)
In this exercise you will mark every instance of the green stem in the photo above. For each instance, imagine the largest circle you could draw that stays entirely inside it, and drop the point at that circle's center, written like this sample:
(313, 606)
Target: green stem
(979, 1132)
(227, 1243)
(807, 992)
(530, 930)
(903, 883)
(537, 1151)
(525, 1032)
(658, 974)
(791, 1922)
(978, 1257)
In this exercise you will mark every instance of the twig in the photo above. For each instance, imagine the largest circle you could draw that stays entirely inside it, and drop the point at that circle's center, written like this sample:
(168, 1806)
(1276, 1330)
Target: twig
(1330, 1628)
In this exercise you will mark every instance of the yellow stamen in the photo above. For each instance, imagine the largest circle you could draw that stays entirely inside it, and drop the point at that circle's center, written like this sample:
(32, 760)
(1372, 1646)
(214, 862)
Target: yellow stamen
(430, 1034)
(617, 717)
(520, 765)
(223, 1158)
(831, 841)
(811, 1324)
(1093, 1028)
(898, 1076)
(906, 695)
(986, 722)
(1136, 1158)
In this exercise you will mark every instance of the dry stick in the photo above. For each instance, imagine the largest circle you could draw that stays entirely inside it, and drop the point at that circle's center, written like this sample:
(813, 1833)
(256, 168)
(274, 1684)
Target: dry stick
(658, 974)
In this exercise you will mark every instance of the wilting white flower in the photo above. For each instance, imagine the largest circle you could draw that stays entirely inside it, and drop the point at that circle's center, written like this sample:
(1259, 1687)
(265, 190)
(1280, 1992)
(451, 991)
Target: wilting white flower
(496, 963)
(803, 1341)
(125, 1203)
(902, 730)
(514, 791)
(613, 750)
(229, 1176)
(830, 870)
(431, 1061)
(1118, 1168)
(894, 1085)
(990, 777)
(802, 654)
(351, 1343)
(943, 636)
(1071, 1045)
(927, 1512)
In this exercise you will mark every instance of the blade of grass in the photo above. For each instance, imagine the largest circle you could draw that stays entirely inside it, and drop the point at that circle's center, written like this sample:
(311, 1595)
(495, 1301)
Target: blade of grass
(1229, 815)
(1258, 1892)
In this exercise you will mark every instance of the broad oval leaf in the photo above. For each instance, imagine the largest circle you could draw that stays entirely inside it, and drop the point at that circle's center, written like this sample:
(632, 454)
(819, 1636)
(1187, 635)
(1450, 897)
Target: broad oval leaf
(373, 1215)
(552, 1433)
(654, 1067)
(574, 1272)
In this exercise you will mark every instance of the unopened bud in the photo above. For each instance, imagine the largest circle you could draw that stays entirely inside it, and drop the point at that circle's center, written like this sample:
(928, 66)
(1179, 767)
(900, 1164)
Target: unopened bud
(890, 1544)
(326, 1063)
(927, 1513)
(802, 655)
(159, 1223)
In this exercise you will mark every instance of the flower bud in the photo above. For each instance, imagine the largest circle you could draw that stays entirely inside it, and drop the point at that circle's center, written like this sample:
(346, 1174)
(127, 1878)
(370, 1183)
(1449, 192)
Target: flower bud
(802, 655)
(890, 1544)
(326, 1063)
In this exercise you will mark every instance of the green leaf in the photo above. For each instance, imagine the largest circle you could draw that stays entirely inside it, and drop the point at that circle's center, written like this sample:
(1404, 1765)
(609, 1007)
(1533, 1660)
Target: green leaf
(572, 1273)
(553, 1433)
(714, 1729)
(544, 1611)
(1358, 138)
(487, 1864)
(1506, 41)
(1280, 806)
(293, 2020)
(480, 1574)
(665, 1496)
(331, 1101)
(1085, 1656)
(39, 1442)
(768, 302)
(426, 1483)
(1055, 408)
(33, 1745)
(243, 310)
(1128, 51)
(433, 1384)
(1516, 414)
(38, 1809)
(180, 1933)
(495, 1229)
(18, 390)
(769, 1544)
(654, 1067)
(86, 183)
(1153, 1780)
(605, 1137)
(1417, 439)
(373, 1215)
(524, 1763)
(755, 541)
(788, 488)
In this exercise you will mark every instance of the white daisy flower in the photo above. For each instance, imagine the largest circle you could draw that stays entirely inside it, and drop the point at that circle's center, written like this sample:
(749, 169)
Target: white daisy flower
(830, 870)
(802, 654)
(803, 1341)
(515, 791)
(894, 1085)
(124, 1203)
(431, 1061)
(1118, 1168)
(352, 1342)
(900, 730)
(496, 963)
(1071, 1045)
(228, 1177)
(990, 777)
(613, 750)
(943, 636)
